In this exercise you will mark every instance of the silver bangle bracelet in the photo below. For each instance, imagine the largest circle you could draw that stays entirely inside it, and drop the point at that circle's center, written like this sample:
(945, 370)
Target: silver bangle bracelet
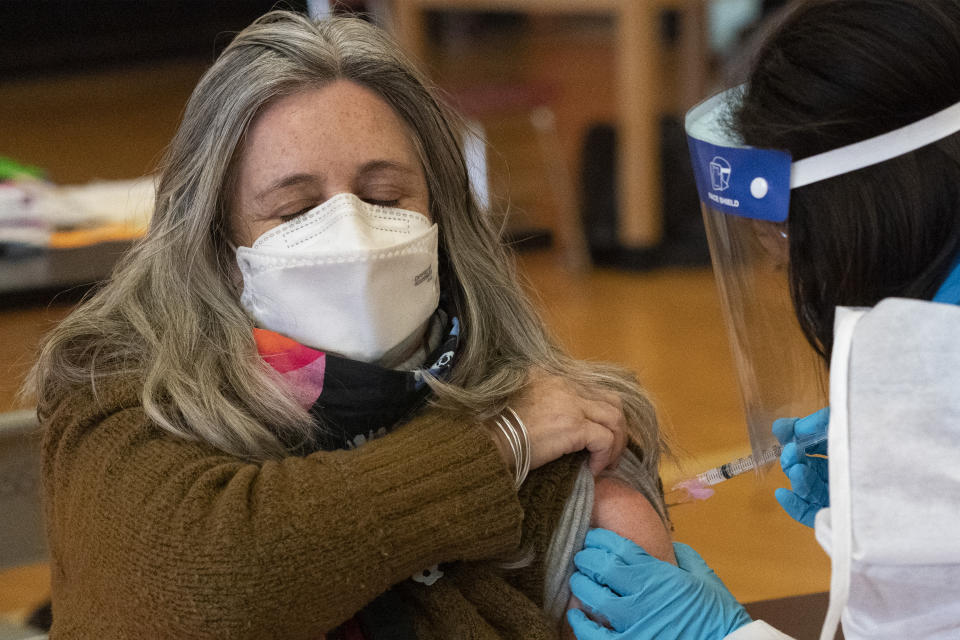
(508, 434)
(518, 439)
(527, 454)
(506, 429)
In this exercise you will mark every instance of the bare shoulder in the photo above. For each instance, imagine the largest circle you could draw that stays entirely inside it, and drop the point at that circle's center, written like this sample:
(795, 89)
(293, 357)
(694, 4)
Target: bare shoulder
(627, 512)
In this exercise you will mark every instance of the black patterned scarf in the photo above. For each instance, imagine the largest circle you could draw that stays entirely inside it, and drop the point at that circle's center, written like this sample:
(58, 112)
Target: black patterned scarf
(355, 402)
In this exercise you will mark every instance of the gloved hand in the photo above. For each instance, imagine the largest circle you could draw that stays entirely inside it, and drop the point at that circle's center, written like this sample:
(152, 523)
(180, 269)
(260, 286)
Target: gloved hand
(643, 597)
(809, 477)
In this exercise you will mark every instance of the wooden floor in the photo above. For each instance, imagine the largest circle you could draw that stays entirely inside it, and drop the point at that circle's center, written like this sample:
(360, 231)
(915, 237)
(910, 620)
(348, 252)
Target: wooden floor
(664, 325)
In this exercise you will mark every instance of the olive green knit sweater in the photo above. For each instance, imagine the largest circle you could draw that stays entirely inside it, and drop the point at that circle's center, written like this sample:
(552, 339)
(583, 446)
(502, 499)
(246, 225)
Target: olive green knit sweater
(152, 536)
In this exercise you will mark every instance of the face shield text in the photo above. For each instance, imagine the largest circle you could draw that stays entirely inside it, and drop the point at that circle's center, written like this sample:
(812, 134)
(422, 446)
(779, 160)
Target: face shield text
(727, 202)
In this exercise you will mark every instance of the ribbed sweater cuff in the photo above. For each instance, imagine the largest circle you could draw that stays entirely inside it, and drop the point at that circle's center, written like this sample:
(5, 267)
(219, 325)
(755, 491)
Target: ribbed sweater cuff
(447, 495)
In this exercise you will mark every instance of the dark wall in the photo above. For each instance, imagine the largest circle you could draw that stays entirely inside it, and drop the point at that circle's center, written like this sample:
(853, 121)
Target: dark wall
(39, 37)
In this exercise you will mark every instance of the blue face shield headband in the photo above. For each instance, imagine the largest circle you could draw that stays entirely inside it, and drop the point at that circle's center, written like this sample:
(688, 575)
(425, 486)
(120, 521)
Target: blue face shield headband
(756, 183)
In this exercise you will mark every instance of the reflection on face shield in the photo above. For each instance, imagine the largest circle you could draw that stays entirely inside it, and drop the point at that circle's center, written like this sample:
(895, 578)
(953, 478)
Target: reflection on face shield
(772, 236)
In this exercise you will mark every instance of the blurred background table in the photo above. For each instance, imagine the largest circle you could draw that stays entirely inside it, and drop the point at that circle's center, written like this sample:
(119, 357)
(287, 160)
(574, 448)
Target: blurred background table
(58, 276)
(639, 83)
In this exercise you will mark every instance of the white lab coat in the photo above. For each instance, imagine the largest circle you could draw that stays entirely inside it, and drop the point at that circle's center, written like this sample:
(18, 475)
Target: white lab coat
(893, 527)
(757, 630)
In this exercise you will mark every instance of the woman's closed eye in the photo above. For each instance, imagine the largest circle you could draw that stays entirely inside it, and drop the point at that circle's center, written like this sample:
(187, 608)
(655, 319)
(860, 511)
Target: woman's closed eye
(382, 203)
(374, 201)
(290, 216)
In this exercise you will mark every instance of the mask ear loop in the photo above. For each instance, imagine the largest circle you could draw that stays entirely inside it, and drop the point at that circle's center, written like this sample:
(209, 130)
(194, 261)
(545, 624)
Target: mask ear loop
(233, 268)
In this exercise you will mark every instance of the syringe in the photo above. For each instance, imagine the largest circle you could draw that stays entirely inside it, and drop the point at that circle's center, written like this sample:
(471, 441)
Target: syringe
(698, 487)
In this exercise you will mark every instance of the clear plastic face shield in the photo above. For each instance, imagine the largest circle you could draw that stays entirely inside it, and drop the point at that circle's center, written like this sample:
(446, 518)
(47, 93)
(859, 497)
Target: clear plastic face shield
(745, 198)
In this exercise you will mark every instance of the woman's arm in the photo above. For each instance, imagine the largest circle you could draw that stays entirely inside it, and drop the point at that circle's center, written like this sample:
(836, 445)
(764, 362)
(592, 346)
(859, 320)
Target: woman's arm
(152, 536)
(627, 512)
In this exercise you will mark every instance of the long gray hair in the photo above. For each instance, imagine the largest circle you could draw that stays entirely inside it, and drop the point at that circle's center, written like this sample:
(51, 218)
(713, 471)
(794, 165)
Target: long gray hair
(170, 316)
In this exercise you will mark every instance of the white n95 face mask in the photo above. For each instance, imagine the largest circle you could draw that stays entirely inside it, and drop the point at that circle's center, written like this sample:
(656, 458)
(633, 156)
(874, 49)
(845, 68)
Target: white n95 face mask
(348, 277)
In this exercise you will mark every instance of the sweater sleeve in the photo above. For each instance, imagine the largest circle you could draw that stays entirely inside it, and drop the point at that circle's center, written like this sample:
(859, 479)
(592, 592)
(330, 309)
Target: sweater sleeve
(543, 497)
(155, 536)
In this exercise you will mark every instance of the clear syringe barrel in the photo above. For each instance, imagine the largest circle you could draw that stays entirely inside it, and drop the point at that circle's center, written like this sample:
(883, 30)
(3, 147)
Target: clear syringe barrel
(749, 463)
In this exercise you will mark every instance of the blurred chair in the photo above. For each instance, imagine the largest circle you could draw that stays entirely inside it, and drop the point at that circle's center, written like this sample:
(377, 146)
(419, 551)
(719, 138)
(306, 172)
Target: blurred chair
(491, 105)
(22, 539)
(14, 632)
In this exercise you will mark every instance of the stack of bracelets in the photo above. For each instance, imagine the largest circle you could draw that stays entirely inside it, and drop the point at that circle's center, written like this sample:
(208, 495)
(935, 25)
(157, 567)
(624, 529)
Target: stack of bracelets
(515, 434)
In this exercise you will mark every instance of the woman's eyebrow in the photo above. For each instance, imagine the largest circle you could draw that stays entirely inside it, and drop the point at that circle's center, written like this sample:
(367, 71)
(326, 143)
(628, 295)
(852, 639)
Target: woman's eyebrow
(376, 166)
(290, 180)
(365, 171)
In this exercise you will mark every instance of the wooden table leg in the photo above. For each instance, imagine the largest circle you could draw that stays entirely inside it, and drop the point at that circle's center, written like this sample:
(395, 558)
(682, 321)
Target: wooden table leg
(694, 53)
(406, 25)
(638, 70)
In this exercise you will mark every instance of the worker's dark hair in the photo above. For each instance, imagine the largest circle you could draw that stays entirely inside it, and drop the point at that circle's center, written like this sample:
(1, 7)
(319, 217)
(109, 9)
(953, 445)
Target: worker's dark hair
(837, 72)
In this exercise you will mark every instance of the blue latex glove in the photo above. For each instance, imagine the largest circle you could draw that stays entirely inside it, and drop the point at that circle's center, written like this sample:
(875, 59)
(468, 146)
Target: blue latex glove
(809, 477)
(643, 597)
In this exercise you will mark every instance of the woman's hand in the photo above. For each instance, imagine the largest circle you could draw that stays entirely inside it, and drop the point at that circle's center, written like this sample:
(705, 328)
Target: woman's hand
(562, 417)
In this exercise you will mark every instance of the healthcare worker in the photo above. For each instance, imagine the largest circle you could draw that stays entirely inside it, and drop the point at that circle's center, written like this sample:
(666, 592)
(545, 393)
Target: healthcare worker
(830, 184)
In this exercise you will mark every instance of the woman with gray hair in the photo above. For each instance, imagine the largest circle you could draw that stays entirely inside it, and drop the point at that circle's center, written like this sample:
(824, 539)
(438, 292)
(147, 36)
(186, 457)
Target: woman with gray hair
(317, 375)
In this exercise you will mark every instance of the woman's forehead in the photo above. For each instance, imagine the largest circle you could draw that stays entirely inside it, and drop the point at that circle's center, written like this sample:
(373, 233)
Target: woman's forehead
(338, 127)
